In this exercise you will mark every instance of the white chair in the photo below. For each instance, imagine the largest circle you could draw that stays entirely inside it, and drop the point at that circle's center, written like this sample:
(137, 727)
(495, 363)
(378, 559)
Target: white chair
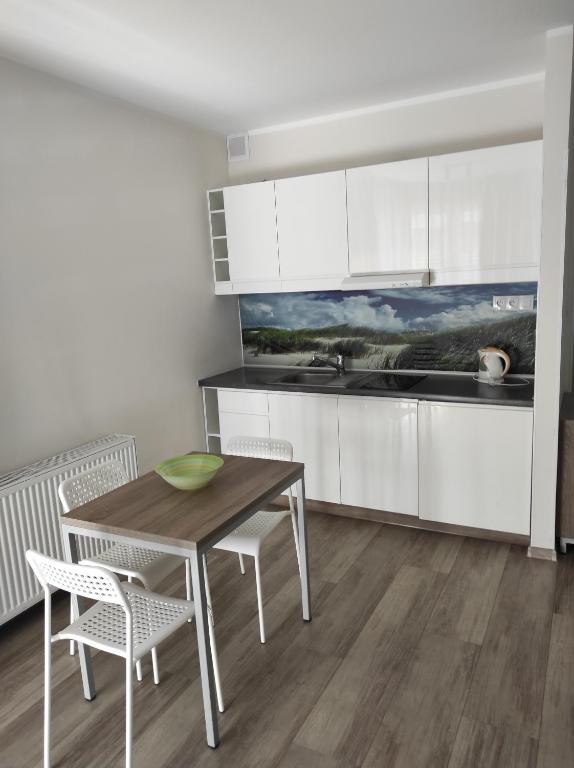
(137, 563)
(249, 537)
(127, 621)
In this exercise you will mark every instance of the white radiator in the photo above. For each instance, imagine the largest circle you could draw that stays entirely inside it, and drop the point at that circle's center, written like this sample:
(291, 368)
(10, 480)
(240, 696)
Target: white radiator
(30, 510)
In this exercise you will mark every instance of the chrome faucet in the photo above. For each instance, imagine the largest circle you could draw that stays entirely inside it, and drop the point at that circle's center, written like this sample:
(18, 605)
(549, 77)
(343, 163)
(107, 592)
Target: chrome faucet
(339, 366)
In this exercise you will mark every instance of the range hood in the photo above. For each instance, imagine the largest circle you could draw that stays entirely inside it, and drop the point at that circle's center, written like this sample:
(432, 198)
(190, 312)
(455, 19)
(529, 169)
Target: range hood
(374, 280)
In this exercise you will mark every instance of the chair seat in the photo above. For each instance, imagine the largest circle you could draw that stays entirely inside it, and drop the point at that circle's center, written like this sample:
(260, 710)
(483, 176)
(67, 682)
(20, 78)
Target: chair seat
(147, 566)
(248, 537)
(154, 617)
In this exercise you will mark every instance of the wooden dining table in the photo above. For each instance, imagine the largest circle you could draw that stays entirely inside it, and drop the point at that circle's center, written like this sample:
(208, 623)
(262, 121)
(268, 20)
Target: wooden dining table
(149, 512)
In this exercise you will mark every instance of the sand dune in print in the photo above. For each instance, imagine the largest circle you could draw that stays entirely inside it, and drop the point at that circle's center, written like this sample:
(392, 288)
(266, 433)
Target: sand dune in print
(419, 328)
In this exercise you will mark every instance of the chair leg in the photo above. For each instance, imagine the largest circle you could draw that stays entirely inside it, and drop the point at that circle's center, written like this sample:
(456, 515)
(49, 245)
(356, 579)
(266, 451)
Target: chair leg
(188, 595)
(72, 617)
(241, 564)
(155, 665)
(215, 662)
(154, 662)
(188, 590)
(259, 599)
(139, 673)
(47, 677)
(129, 711)
(208, 594)
(296, 537)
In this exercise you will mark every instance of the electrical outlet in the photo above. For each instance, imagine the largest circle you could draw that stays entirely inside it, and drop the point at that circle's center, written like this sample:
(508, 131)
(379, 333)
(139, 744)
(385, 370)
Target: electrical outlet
(513, 303)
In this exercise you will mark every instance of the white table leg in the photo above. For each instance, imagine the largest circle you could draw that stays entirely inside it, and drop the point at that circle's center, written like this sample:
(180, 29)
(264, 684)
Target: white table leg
(71, 555)
(303, 551)
(204, 648)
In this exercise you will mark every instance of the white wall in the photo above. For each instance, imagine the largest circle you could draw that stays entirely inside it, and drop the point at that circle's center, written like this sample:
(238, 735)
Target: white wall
(107, 316)
(550, 287)
(497, 114)
(567, 363)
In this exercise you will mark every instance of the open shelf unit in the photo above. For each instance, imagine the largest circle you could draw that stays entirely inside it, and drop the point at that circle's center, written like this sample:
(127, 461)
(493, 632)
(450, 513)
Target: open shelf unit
(211, 420)
(218, 239)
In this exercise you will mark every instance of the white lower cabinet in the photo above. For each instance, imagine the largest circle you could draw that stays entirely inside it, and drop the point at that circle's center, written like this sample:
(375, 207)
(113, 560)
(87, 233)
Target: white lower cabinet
(242, 413)
(467, 465)
(310, 423)
(475, 465)
(378, 453)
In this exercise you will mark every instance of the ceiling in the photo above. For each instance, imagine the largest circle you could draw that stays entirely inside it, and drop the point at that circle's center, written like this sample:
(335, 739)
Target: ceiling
(234, 65)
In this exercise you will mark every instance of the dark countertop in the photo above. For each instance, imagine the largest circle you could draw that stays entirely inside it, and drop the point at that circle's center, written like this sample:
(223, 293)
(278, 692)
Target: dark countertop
(445, 387)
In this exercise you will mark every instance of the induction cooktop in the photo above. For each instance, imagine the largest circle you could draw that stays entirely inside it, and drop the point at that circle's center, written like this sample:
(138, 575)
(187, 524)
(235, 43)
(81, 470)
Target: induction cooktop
(398, 382)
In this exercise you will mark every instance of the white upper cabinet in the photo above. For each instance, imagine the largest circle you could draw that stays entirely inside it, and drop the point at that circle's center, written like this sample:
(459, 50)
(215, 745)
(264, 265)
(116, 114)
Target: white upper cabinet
(251, 233)
(312, 228)
(485, 210)
(387, 207)
(469, 217)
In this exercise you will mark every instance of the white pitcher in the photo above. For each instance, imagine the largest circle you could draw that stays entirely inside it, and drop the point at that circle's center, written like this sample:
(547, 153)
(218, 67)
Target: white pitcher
(493, 365)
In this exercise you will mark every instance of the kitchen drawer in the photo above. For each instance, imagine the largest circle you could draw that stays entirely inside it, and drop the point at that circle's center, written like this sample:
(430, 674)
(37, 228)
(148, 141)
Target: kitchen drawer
(242, 425)
(241, 401)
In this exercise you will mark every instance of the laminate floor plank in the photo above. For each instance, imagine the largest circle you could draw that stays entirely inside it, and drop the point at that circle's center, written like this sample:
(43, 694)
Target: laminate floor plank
(465, 606)
(347, 715)
(298, 757)
(436, 551)
(349, 606)
(564, 595)
(419, 728)
(425, 650)
(331, 560)
(557, 728)
(508, 684)
(479, 745)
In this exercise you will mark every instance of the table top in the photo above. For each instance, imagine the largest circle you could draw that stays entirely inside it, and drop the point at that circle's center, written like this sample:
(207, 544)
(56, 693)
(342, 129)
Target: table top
(152, 510)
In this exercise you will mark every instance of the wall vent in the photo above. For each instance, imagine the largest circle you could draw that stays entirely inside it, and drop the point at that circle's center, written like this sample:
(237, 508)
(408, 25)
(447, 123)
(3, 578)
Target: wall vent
(238, 147)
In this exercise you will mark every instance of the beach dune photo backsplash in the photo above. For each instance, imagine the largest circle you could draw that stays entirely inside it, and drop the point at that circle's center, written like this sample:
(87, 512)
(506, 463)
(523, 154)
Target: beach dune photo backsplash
(436, 329)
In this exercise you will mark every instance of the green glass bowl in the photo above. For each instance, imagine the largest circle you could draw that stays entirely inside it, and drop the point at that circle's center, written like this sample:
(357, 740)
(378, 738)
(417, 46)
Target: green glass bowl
(190, 472)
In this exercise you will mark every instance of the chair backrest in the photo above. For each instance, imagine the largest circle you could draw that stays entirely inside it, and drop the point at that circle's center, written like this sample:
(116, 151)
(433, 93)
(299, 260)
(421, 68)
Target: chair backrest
(92, 483)
(86, 580)
(260, 448)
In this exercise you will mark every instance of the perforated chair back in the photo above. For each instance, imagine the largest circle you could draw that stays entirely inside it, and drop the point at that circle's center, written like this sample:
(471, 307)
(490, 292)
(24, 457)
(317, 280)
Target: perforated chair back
(92, 483)
(260, 448)
(84, 580)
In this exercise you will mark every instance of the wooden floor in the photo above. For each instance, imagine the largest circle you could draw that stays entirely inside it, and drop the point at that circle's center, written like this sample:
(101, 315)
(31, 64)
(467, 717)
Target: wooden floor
(424, 650)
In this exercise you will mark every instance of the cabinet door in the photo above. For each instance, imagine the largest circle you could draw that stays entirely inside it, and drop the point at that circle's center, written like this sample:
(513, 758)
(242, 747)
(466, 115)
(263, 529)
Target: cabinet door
(251, 232)
(242, 412)
(246, 424)
(378, 447)
(310, 424)
(387, 207)
(485, 208)
(475, 466)
(312, 226)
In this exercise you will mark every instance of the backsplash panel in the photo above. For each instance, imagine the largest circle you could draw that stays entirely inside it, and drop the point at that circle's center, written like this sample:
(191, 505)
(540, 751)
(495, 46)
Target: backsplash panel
(437, 328)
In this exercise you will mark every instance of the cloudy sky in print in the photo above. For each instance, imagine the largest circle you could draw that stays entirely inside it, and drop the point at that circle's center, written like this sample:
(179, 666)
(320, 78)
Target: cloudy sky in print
(398, 310)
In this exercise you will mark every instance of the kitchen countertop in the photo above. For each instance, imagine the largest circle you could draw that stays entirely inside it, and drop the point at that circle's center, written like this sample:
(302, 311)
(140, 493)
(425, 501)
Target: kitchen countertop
(444, 387)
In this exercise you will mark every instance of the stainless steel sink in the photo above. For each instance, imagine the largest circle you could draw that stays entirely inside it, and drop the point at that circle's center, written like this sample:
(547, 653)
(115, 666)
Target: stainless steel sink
(319, 379)
(310, 379)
